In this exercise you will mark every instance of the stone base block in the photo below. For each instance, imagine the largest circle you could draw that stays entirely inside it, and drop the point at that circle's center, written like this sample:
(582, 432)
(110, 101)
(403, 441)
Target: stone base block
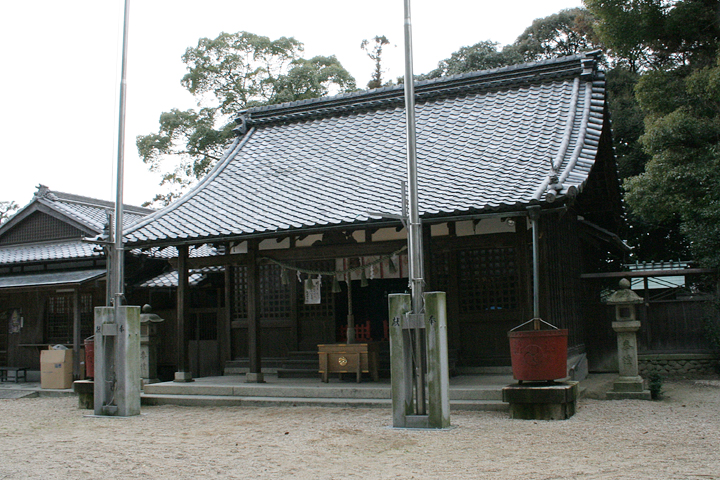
(183, 377)
(254, 378)
(86, 393)
(541, 401)
(642, 395)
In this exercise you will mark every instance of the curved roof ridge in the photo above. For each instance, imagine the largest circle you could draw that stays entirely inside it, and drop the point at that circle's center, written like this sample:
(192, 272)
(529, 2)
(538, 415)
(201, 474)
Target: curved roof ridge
(484, 151)
(580, 144)
(96, 202)
(219, 166)
(556, 162)
(453, 85)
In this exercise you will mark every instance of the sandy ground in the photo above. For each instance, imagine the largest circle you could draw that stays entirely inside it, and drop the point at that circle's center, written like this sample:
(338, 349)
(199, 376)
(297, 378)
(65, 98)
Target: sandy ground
(675, 438)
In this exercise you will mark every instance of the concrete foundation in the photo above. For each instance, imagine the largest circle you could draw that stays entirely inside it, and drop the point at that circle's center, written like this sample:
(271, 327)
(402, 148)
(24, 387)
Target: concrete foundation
(632, 388)
(117, 361)
(85, 390)
(542, 401)
(251, 377)
(401, 360)
(183, 377)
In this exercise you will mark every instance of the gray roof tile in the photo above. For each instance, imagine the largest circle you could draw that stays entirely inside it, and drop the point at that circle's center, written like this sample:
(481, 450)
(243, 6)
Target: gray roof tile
(43, 252)
(485, 140)
(90, 211)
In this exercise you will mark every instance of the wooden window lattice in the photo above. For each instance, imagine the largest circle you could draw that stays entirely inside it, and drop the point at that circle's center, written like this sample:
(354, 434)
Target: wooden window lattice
(274, 296)
(440, 270)
(60, 318)
(489, 279)
(240, 285)
(40, 226)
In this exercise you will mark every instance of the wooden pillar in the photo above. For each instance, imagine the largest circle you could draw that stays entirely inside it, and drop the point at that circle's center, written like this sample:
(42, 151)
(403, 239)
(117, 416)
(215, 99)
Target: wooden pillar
(253, 302)
(183, 374)
(524, 256)
(427, 257)
(224, 326)
(76, 334)
(294, 306)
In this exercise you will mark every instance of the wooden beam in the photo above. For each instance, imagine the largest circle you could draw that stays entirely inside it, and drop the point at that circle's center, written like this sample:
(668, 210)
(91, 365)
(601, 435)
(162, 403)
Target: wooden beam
(650, 273)
(320, 252)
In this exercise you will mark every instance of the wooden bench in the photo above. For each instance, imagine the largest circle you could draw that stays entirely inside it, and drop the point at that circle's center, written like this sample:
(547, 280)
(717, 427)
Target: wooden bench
(19, 372)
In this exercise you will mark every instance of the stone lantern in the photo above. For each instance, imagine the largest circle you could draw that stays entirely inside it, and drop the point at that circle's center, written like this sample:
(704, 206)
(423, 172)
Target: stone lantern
(628, 384)
(148, 345)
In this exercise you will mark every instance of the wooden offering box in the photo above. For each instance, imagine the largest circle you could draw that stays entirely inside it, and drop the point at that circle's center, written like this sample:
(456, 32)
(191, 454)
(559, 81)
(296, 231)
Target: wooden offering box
(357, 358)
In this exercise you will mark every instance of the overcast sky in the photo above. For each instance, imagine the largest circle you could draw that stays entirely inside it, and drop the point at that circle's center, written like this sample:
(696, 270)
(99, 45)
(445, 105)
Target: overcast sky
(60, 72)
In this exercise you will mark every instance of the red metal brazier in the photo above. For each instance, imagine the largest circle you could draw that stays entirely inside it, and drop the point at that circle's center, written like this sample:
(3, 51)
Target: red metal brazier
(90, 357)
(539, 355)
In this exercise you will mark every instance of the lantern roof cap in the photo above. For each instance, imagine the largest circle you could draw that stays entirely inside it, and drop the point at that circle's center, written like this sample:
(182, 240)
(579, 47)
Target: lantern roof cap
(624, 295)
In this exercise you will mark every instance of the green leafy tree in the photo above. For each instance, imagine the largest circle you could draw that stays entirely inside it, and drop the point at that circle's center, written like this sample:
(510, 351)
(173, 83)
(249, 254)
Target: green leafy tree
(663, 46)
(681, 182)
(651, 34)
(375, 54)
(568, 32)
(226, 75)
(481, 56)
(7, 208)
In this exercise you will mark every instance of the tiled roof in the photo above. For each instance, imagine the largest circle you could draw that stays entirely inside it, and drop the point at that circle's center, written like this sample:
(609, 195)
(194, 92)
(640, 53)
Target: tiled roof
(42, 252)
(170, 279)
(172, 252)
(486, 141)
(89, 211)
(88, 214)
(50, 278)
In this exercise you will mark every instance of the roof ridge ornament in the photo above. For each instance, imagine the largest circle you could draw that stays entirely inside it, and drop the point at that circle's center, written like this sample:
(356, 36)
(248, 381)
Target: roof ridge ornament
(589, 63)
(554, 186)
(44, 192)
(242, 120)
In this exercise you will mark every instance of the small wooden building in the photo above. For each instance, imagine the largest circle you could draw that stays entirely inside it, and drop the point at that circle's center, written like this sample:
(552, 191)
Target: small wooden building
(297, 196)
(50, 280)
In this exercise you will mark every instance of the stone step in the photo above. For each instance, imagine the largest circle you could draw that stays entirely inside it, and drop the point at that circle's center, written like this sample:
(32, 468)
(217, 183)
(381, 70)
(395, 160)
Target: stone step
(226, 401)
(307, 355)
(298, 372)
(333, 390)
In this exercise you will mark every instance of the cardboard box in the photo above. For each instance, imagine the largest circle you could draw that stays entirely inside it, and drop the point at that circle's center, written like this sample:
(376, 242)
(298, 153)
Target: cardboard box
(56, 368)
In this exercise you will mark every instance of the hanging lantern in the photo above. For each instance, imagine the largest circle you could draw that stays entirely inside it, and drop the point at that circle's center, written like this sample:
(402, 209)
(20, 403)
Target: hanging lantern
(335, 285)
(363, 278)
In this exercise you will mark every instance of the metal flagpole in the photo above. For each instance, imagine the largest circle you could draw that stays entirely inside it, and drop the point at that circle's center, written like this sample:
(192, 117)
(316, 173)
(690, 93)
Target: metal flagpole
(118, 250)
(415, 248)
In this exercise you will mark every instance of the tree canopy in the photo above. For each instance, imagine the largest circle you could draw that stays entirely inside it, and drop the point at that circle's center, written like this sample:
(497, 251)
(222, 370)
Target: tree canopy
(681, 182)
(669, 49)
(7, 208)
(226, 75)
(374, 52)
(650, 34)
(567, 32)
(663, 84)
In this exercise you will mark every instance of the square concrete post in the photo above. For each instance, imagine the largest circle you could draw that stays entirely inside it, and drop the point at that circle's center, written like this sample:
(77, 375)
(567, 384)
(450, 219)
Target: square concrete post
(401, 363)
(401, 369)
(117, 361)
(438, 377)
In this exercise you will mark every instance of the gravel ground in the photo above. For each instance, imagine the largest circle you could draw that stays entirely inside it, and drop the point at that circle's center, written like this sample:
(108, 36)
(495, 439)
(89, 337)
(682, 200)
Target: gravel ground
(675, 438)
